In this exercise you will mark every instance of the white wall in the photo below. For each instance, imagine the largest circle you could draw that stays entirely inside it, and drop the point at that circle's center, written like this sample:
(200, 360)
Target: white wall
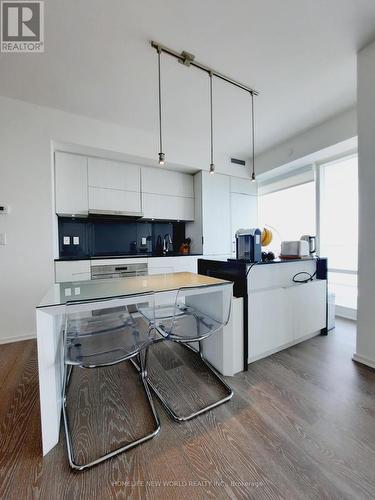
(326, 139)
(365, 351)
(26, 135)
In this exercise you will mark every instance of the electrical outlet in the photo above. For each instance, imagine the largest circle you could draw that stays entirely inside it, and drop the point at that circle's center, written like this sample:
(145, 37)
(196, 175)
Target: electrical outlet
(3, 238)
(66, 240)
(144, 241)
(75, 240)
(68, 292)
(77, 290)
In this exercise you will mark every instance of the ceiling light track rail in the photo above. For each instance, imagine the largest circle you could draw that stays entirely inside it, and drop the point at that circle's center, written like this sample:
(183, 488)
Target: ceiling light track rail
(189, 60)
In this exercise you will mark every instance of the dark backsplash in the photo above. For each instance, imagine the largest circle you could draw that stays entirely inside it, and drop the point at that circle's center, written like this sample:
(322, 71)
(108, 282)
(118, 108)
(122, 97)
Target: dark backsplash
(100, 236)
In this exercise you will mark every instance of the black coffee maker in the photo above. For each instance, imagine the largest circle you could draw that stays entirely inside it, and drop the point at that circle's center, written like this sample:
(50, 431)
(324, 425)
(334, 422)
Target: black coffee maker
(248, 245)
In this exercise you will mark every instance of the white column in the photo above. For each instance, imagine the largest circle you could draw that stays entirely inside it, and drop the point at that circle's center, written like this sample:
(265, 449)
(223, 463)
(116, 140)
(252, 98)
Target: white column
(365, 351)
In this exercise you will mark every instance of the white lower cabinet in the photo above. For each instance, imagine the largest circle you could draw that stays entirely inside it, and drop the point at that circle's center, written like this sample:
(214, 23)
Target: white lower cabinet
(280, 317)
(309, 307)
(270, 324)
(79, 270)
(72, 270)
(161, 265)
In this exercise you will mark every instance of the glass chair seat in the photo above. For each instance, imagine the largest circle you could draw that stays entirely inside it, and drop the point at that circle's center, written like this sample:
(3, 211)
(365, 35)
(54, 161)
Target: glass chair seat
(106, 336)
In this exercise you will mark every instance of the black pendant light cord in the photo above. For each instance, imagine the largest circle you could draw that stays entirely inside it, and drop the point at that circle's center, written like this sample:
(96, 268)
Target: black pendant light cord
(253, 135)
(212, 166)
(161, 154)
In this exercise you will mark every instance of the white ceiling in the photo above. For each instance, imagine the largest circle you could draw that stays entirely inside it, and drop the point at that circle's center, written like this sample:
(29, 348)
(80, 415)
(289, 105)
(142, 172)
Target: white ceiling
(300, 55)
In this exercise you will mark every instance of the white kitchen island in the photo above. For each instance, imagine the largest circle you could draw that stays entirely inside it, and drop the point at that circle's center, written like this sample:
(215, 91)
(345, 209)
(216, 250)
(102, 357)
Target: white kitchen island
(273, 311)
(50, 320)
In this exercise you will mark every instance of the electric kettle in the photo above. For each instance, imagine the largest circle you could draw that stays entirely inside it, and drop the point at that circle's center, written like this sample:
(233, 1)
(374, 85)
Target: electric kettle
(311, 240)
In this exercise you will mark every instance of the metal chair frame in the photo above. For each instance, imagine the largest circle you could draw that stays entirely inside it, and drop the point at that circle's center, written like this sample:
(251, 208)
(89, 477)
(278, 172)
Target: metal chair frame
(68, 368)
(211, 369)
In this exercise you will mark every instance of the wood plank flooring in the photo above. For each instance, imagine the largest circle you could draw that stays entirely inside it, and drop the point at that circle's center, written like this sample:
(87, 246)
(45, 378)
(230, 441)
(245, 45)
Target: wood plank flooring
(301, 425)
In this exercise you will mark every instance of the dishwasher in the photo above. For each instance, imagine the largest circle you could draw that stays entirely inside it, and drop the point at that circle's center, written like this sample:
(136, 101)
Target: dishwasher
(109, 271)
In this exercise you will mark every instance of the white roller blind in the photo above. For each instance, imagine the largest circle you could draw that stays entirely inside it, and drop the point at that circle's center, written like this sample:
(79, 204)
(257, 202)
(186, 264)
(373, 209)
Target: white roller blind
(287, 180)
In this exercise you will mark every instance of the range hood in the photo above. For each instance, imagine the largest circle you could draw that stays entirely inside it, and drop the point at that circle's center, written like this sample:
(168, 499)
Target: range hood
(116, 213)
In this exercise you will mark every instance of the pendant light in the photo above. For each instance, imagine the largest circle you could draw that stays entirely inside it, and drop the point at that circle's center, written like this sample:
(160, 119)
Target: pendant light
(212, 165)
(161, 154)
(253, 137)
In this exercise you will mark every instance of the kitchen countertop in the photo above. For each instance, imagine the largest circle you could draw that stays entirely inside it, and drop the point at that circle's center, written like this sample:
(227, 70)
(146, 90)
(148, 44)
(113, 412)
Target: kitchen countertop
(60, 293)
(127, 256)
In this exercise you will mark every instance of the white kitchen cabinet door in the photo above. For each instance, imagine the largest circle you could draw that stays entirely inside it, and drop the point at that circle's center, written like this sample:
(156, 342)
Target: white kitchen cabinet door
(185, 264)
(114, 187)
(243, 186)
(70, 184)
(74, 270)
(114, 175)
(244, 214)
(114, 200)
(162, 207)
(216, 223)
(161, 265)
(167, 182)
(270, 322)
(309, 307)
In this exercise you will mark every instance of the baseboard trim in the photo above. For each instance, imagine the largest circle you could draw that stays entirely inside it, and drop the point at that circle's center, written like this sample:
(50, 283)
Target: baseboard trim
(363, 360)
(282, 347)
(346, 312)
(17, 338)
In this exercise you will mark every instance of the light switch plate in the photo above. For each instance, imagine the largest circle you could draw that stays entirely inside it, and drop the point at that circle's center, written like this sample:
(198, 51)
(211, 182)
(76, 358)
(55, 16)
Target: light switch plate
(68, 292)
(75, 240)
(3, 238)
(144, 241)
(66, 240)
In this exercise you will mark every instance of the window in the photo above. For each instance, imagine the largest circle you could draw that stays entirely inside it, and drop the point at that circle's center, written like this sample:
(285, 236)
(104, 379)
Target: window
(290, 213)
(339, 227)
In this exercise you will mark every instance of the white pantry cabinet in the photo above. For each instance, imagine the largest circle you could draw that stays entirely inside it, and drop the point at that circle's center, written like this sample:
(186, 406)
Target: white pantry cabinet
(244, 214)
(167, 195)
(71, 196)
(211, 230)
(114, 187)
(243, 186)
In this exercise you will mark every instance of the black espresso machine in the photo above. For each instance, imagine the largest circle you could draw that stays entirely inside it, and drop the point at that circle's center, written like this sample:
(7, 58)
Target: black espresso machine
(249, 245)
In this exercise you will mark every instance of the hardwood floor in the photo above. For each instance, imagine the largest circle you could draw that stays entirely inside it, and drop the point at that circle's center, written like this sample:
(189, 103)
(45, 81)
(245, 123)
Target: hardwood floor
(300, 425)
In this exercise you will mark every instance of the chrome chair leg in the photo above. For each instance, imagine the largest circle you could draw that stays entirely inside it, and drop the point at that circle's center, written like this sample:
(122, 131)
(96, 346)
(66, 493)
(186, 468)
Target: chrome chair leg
(69, 445)
(211, 369)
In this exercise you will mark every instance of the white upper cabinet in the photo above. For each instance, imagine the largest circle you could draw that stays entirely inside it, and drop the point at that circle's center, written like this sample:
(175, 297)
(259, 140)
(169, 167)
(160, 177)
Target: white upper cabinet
(114, 187)
(167, 195)
(167, 182)
(114, 175)
(71, 196)
(243, 186)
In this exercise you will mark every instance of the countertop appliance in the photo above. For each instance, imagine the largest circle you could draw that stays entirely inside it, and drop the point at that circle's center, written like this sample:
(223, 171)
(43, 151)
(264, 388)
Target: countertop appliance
(248, 245)
(311, 240)
(119, 271)
(294, 249)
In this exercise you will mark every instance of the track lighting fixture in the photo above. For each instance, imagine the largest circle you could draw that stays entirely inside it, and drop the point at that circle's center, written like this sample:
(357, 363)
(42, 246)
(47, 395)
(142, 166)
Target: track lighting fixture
(212, 165)
(189, 60)
(161, 154)
(252, 137)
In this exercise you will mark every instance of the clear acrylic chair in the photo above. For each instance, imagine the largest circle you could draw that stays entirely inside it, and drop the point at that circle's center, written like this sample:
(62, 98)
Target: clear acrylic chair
(103, 333)
(198, 313)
